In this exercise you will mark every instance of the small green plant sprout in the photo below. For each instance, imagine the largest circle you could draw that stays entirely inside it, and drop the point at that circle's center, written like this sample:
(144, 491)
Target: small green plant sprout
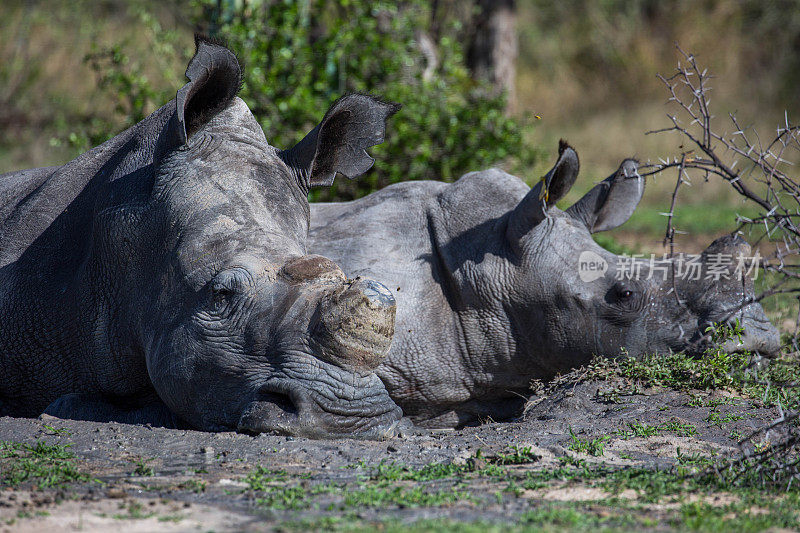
(693, 459)
(594, 447)
(381, 496)
(135, 511)
(720, 421)
(392, 471)
(264, 479)
(50, 430)
(736, 435)
(641, 430)
(723, 332)
(760, 447)
(519, 455)
(295, 497)
(568, 460)
(143, 469)
(194, 485)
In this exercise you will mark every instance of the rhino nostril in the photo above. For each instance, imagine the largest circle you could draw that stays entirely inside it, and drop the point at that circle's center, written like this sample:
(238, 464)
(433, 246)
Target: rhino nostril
(280, 400)
(277, 408)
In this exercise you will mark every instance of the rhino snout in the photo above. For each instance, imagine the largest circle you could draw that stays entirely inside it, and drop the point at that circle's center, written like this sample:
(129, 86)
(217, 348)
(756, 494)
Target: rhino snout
(759, 334)
(355, 325)
(310, 409)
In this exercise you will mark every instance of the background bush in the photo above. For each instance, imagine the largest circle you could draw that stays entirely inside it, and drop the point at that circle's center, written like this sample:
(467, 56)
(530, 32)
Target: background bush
(301, 56)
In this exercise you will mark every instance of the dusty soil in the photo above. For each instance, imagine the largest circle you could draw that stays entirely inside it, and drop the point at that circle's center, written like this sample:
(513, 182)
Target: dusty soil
(198, 479)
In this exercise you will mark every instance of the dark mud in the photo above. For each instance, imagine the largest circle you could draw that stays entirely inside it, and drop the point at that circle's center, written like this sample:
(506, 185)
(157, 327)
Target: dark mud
(159, 479)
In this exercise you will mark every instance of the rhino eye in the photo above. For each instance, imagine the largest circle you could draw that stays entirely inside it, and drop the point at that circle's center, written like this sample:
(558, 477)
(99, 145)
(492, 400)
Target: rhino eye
(224, 285)
(622, 295)
(220, 289)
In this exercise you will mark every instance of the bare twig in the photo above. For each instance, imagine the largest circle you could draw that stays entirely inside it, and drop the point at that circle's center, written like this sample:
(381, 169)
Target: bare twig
(764, 173)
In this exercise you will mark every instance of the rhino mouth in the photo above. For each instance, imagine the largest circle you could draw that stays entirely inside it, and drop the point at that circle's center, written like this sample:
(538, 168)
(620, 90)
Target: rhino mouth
(759, 336)
(316, 410)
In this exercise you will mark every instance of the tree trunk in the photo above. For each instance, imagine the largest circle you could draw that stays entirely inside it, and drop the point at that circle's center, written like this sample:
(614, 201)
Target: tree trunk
(492, 54)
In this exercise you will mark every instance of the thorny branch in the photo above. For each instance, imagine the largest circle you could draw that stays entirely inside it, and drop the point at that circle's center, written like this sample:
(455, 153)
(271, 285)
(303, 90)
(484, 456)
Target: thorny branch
(766, 175)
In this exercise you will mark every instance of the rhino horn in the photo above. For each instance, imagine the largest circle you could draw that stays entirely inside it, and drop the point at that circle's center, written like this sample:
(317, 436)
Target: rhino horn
(611, 202)
(551, 188)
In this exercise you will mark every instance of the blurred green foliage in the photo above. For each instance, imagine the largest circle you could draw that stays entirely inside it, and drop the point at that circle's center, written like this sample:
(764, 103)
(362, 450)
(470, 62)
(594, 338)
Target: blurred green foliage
(301, 56)
(122, 77)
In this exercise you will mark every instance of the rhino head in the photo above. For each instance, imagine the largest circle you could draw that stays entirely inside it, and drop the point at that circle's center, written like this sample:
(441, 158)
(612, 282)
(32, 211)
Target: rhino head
(571, 298)
(240, 327)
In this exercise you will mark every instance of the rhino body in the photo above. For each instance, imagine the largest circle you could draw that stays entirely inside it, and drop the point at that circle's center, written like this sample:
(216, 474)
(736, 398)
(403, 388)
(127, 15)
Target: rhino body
(163, 276)
(490, 294)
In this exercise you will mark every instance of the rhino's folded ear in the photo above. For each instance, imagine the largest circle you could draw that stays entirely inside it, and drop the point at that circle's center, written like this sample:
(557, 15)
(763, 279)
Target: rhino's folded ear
(551, 188)
(338, 143)
(611, 202)
(214, 79)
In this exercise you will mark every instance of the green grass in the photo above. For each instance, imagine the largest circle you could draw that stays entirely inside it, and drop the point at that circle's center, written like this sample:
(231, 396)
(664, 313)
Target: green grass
(50, 430)
(143, 469)
(594, 447)
(490, 466)
(691, 218)
(273, 489)
(749, 501)
(575, 517)
(417, 496)
(747, 513)
(518, 455)
(717, 370)
(135, 510)
(263, 479)
(714, 417)
(193, 485)
(746, 506)
(641, 430)
(393, 471)
(284, 498)
(608, 242)
(41, 464)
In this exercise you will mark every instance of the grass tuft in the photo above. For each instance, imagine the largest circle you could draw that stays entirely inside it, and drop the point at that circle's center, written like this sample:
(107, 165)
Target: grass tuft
(40, 463)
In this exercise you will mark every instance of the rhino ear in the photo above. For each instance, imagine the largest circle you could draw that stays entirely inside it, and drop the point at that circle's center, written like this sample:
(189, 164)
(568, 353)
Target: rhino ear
(551, 188)
(611, 202)
(338, 144)
(214, 79)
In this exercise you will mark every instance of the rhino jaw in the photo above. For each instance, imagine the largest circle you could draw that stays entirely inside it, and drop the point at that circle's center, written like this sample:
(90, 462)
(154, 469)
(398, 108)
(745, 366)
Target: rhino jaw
(288, 408)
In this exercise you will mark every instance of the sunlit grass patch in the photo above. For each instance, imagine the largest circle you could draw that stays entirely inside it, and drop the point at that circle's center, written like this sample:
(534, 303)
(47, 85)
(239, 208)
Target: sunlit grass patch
(590, 446)
(42, 464)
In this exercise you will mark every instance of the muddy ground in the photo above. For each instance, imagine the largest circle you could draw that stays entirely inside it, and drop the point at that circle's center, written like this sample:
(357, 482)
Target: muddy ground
(147, 479)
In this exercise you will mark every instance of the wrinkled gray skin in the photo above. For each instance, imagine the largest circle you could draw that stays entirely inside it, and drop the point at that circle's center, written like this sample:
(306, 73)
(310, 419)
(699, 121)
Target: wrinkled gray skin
(489, 293)
(163, 276)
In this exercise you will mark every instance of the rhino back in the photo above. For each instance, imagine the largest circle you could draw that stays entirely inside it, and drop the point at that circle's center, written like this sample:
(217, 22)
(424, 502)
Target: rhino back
(53, 306)
(60, 200)
(381, 233)
(389, 230)
(409, 237)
